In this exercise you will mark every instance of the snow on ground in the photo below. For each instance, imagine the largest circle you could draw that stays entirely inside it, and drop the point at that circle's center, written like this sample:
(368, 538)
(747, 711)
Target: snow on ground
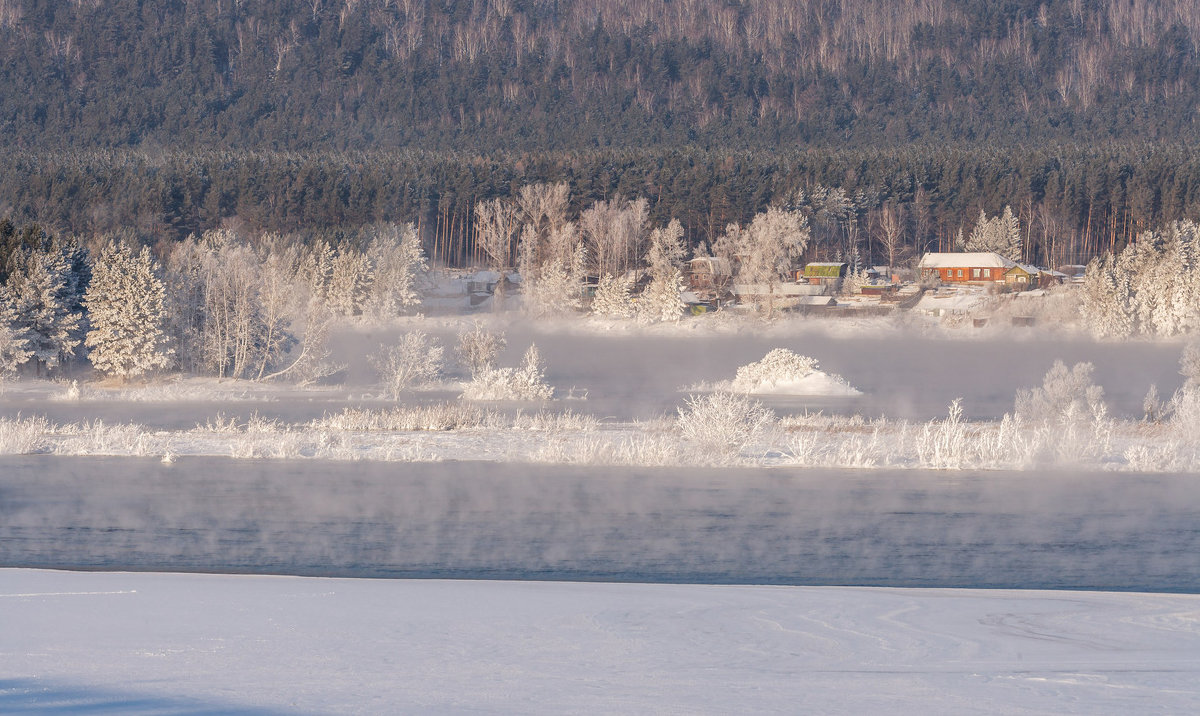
(176, 644)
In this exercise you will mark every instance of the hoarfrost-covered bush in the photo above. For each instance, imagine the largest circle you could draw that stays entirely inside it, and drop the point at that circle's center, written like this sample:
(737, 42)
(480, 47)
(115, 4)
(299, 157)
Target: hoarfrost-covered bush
(1066, 395)
(942, 444)
(415, 360)
(100, 438)
(543, 421)
(525, 383)
(478, 348)
(23, 436)
(780, 364)
(640, 450)
(720, 425)
(438, 416)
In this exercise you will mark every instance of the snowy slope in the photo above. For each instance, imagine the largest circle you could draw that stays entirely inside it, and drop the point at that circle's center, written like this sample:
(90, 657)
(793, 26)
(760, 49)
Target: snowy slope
(172, 643)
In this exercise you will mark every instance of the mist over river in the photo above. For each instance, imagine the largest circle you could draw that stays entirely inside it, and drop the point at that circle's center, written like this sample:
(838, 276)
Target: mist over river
(515, 521)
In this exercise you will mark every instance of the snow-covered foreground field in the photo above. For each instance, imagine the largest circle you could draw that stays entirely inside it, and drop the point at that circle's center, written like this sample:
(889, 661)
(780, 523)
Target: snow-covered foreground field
(197, 644)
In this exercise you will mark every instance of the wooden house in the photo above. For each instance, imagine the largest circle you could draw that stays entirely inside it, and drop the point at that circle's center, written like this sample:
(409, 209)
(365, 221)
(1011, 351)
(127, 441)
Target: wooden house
(980, 267)
(709, 274)
(1022, 276)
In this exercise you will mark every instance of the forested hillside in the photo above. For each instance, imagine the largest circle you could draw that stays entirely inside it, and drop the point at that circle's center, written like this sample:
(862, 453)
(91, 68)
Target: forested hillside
(317, 115)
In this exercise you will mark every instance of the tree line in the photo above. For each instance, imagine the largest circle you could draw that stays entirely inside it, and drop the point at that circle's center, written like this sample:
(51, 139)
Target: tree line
(1072, 202)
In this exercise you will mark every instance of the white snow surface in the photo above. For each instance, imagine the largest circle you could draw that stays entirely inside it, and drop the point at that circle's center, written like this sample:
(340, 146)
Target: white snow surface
(77, 642)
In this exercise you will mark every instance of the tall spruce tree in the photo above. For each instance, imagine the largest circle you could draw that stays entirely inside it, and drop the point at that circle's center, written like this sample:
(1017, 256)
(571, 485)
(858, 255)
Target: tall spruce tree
(40, 298)
(125, 300)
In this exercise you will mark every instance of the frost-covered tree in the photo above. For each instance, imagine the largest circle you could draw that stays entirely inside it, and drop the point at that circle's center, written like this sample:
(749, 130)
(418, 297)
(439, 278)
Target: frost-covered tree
(528, 382)
(282, 296)
(214, 289)
(396, 261)
(1105, 300)
(543, 209)
(662, 300)
(13, 353)
(478, 348)
(497, 224)
(765, 250)
(40, 297)
(854, 281)
(1152, 287)
(555, 288)
(615, 232)
(125, 303)
(415, 359)
(1001, 234)
(349, 280)
(1066, 394)
(612, 299)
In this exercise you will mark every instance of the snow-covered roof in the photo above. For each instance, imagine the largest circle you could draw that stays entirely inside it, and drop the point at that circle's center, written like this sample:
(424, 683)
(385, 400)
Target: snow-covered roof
(815, 301)
(966, 259)
(1031, 270)
(713, 263)
(958, 302)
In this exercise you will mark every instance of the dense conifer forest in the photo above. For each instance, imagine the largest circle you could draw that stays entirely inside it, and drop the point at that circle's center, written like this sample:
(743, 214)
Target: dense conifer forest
(318, 117)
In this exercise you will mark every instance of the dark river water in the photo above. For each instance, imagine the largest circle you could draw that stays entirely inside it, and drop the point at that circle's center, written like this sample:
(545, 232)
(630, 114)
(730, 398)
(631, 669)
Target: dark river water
(488, 520)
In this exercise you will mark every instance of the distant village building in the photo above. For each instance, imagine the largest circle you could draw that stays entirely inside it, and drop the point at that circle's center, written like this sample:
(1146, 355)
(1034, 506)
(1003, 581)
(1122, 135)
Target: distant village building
(981, 267)
(823, 273)
(1022, 276)
(709, 274)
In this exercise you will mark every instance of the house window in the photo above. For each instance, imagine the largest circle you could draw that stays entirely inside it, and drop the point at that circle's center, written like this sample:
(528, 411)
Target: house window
(960, 273)
(975, 273)
(987, 273)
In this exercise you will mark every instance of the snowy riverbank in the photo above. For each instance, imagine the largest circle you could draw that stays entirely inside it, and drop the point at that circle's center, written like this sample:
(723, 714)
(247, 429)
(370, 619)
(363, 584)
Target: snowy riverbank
(174, 644)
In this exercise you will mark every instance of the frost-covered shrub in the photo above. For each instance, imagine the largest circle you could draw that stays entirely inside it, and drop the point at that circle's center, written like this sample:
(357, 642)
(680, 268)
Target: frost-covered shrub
(1154, 410)
(438, 416)
(720, 425)
(639, 450)
(100, 438)
(544, 421)
(1067, 395)
(527, 382)
(478, 348)
(23, 436)
(942, 444)
(415, 360)
(780, 365)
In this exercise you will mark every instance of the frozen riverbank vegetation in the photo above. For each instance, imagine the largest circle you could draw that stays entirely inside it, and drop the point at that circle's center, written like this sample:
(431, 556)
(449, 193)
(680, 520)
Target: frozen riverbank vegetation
(782, 372)
(1061, 423)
